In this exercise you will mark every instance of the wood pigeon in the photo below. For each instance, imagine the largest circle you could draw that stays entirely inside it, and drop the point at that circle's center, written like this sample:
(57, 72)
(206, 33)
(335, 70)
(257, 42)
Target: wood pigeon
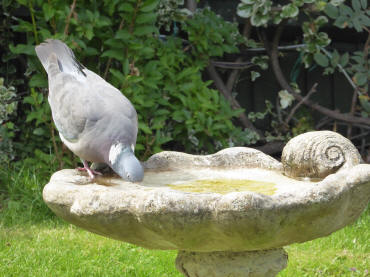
(94, 119)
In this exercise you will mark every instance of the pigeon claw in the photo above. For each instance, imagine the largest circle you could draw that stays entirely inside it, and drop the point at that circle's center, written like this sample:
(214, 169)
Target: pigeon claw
(89, 171)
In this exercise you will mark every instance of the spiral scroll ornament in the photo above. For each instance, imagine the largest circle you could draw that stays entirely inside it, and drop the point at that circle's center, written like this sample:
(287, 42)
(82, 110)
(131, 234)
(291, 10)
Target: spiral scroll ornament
(318, 154)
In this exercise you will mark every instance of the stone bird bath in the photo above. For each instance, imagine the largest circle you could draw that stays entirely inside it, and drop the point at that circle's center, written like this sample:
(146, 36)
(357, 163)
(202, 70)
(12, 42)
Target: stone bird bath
(228, 214)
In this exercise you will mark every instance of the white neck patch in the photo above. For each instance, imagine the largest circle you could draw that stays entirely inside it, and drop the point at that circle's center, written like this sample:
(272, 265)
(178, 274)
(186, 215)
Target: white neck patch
(114, 151)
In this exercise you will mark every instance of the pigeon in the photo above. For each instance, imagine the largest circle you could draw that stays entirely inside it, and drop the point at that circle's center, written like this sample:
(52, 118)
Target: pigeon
(93, 118)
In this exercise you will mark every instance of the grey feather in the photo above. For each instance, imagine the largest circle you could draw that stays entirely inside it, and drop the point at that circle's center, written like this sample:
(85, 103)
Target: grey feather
(90, 114)
(66, 59)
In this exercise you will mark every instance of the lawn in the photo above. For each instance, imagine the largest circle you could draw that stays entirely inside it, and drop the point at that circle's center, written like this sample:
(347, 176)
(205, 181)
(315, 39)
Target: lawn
(33, 242)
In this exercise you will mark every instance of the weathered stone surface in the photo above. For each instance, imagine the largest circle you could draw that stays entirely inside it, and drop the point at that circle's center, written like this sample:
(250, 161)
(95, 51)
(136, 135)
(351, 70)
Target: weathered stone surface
(318, 154)
(265, 263)
(153, 215)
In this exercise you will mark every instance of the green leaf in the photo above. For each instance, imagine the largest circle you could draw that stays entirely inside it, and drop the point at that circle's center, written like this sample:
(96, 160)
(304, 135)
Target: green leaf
(335, 58)
(114, 53)
(365, 103)
(336, 2)
(344, 59)
(38, 80)
(123, 34)
(286, 99)
(149, 5)
(290, 10)
(321, 59)
(48, 11)
(22, 49)
(341, 22)
(356, 5)
(255, 75)
(357, 24)
(321, 20)
(126, 67)
(364, 4)
(331, 11)
(117, 74)
(145, 30)
(127, 7)
(244, 11)
(39, 131)
(146, 17)
(143, 127)
(360, 78)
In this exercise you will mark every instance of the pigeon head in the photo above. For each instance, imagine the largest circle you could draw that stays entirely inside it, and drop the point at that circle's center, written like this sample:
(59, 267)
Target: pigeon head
(123, 161)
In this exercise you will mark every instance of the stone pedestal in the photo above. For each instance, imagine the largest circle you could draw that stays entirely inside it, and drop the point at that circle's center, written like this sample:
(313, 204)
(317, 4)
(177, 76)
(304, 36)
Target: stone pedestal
(225, 222)
(264, 263)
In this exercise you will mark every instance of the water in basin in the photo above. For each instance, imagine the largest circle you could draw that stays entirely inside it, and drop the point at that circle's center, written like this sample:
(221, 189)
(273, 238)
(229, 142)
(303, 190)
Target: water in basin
(218, 180)
(224, 186)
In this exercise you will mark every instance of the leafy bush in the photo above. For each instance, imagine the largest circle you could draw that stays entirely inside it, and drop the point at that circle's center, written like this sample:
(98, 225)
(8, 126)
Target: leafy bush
(315, 49)
(120, 41)
(162, 75)
(8, 105)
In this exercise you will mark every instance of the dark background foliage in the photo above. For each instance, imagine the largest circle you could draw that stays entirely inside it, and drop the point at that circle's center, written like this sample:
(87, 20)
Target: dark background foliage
(185, 71)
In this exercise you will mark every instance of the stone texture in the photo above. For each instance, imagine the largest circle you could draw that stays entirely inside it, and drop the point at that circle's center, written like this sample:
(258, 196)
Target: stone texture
(161, 218)
(318, 154)
(265, 263)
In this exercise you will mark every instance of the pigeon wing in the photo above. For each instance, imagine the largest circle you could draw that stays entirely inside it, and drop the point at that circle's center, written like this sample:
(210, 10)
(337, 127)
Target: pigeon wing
(80, 99)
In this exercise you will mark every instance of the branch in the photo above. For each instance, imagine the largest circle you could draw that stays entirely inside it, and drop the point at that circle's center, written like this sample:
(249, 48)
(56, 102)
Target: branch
(233, 76)
(343, 71)
(56, 150)
(233, 102)
(286, 47)
(273, 53)
(352, 111)
(69, 17)
(238, 64)
(110, 59)
(292, 112)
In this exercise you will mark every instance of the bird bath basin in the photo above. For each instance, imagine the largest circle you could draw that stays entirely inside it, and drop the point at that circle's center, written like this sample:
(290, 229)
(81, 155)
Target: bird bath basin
(228, 214)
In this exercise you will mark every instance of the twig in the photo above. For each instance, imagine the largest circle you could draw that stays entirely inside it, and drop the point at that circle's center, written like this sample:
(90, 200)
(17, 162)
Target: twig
(278, 110)
(133, 20)
(69, 17)
(233, 102)
(363, 134)
(56, 150)
(247, 28)
(234, 75)
(237, 65)
(287, 47)
(352, 111)
(34, 27)
(292, 112)
(343, 71)
(273, 52)
(110, 59)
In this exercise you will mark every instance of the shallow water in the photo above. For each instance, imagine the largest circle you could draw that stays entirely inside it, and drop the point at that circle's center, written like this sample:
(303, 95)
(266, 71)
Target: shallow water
(211, 180)
(224, 186)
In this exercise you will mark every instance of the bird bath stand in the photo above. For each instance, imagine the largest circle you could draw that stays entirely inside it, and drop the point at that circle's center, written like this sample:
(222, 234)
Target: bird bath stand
(228, 214)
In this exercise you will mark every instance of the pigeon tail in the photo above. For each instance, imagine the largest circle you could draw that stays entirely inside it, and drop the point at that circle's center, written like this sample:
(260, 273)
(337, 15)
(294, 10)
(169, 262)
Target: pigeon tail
(66, 60)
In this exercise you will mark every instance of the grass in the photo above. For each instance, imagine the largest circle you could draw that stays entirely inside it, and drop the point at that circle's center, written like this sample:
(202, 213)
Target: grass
(33, 242)
(53, 248)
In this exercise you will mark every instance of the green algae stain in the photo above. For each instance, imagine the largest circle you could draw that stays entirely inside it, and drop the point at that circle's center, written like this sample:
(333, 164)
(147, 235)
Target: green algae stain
(224, 186)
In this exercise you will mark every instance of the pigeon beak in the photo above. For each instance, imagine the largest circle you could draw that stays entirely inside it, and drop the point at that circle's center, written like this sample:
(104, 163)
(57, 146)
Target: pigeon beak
(128, 166)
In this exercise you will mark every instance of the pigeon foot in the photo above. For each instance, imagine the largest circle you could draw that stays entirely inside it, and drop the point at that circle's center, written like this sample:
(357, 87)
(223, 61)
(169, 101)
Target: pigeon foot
(89, 171)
